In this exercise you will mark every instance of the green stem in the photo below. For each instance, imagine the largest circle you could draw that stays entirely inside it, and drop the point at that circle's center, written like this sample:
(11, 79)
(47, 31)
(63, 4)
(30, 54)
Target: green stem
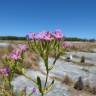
(58, 55)
(46, 79)
(9, 84)
(42, 94)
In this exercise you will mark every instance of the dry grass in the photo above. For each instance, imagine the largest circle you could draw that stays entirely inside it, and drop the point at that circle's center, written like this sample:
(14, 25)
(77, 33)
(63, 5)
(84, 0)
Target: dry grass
(67, 80)
(13, 41)
(85, 46)
(93, 90)
(4, 51)
(90, 89)
(31, 60)
(56, 78)
(83, 64)
(80, 93)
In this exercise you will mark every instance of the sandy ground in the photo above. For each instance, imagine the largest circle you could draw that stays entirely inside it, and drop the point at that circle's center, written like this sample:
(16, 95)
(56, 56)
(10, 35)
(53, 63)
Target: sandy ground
(61, 68)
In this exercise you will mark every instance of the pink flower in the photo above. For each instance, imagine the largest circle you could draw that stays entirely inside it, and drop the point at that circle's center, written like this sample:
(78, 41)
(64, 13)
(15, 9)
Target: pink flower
(23, 47)
(34, 90)
(30, 36)
(17, 51)
(58, 34)
(4, 71)
(45, 36)
(15, 55)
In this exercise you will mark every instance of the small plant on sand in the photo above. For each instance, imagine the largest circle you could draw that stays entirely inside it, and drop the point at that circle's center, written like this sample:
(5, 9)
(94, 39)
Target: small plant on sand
(82, 59)
(67, 80)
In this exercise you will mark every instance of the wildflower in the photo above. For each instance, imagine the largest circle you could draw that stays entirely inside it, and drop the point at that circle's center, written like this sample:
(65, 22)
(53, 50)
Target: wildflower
(15, 55)
(4, 71)
(45, 36)
(58, 34)
(23, 47)
(49, 36)
(7, 70)
(30, 36)
(33, 90)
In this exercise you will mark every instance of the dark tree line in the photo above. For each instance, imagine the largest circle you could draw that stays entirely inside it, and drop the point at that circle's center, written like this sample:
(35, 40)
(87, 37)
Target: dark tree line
(74, 39)
(12, 38)
(65, 38)
(79, 39)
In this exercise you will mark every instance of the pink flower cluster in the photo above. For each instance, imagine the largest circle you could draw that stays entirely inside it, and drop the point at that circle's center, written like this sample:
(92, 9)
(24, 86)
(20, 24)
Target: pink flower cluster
(58, 34)
(16, 53)
(22, 47)
(45, 36)
(31, 35)
(4, 71)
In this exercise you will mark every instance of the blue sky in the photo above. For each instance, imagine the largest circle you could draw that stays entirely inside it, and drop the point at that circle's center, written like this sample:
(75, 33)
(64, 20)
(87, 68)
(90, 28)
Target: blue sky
(76, 18)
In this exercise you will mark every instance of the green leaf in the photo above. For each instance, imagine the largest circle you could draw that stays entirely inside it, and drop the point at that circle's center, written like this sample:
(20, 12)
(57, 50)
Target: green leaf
(52, 82)
(39, 84)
